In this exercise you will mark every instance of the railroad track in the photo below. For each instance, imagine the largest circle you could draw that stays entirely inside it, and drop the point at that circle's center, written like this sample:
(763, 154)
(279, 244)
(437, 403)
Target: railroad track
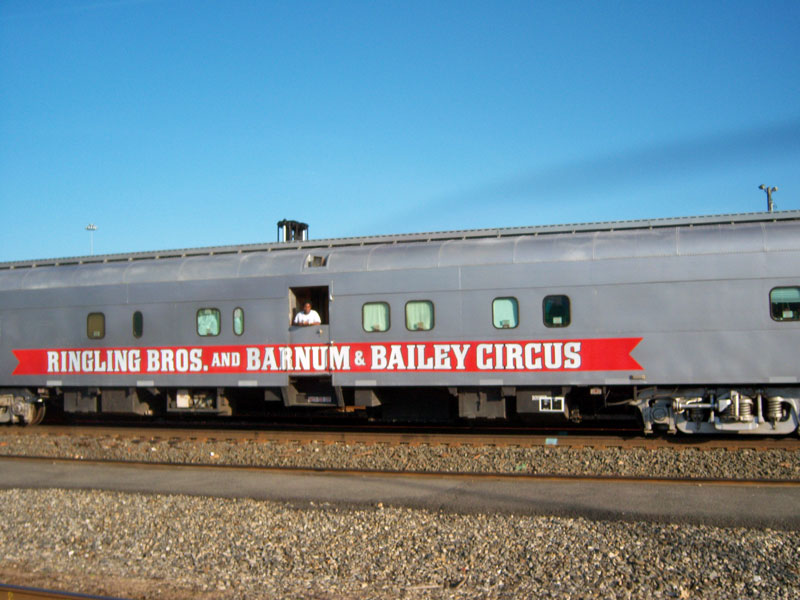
(611, 458)
(492, 438)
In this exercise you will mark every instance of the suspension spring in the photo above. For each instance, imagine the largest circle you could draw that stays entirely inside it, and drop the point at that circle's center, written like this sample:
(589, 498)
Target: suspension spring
(745, 409)
(774, 409)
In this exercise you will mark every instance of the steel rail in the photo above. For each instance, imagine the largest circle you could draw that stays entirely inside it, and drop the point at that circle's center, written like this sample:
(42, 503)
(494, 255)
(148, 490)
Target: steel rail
(566, 439)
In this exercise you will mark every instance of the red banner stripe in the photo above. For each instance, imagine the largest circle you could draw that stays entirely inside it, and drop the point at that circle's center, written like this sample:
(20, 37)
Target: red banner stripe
(602, 354)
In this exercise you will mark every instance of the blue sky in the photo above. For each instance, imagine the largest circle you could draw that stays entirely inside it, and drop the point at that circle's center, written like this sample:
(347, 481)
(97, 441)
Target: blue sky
(173, 124)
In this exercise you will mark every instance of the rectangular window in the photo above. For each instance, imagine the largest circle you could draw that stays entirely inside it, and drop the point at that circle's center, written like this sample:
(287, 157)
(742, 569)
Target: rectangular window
(785, 303)
(556, 311)
(208, 322)
(318, 296)
(505, 313)
(238, 321)
(375, 316)
(313, 261)
(96, 326)
(419, 315)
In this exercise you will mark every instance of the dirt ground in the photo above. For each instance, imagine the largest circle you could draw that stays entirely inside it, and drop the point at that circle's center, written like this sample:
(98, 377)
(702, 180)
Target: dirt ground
(82, 583)
(124, 588)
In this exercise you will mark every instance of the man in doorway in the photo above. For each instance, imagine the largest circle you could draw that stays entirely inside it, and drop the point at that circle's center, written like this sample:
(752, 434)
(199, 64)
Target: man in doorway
(308, 316)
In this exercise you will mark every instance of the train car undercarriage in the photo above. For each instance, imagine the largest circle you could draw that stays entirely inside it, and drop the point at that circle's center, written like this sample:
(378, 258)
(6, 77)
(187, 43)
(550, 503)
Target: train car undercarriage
(760, 411)
(20, 405)
(690, 410)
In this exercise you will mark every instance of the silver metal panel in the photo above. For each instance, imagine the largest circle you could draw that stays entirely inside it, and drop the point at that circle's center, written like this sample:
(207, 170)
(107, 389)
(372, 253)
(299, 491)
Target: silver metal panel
(509, 279)
(204, 267)
(781, 236)
(96, 274)
(48, 277)
(11, 280)
(343, 260)
(490, 251)
(151, 271)
(261, 264)
(556, 248)
(636, 243)
(398, 281)
(406, 256)
(716, 239)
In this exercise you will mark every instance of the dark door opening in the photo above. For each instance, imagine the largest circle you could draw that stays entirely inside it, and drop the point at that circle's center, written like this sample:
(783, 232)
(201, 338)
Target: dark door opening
(317, 296)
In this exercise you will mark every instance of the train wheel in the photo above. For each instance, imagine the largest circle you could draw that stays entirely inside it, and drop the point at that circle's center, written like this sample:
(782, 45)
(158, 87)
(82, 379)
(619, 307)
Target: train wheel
(38, 416)
(27, 413)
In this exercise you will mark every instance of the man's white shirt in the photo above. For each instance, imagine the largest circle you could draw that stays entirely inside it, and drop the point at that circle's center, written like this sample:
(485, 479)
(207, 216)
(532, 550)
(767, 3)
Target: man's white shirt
(312, 318)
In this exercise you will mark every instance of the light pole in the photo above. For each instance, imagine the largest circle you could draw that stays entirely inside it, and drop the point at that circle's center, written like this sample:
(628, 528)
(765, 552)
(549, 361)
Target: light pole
(91, 228)
(769, 191)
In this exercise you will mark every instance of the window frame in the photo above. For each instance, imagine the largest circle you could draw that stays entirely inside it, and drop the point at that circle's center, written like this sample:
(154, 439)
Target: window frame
(141, 324)
(544, 311)
(516, 306)
(102, 326)
(233, 321)
(316, 261)
(388, 317)
(773, 304)
(197, 324)
(433, 314)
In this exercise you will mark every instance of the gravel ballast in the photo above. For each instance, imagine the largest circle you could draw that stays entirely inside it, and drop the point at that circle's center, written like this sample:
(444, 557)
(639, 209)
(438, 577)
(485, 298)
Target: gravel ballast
(774, 464)
(171, 546)
(186, 547)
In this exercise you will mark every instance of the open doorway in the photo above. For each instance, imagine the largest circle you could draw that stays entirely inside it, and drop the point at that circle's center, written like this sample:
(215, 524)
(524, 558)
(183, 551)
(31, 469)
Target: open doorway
(317, 296)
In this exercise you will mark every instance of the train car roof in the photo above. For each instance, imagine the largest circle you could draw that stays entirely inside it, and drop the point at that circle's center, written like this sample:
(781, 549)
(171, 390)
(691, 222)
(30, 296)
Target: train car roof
(435, 236)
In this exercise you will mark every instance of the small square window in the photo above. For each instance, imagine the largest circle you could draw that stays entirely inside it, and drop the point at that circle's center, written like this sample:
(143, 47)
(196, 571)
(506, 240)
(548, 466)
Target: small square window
(556, 311)
(419, 315)
(505, 313)
(785, 303)
(208, 322)
(375, 316)
(96, 326)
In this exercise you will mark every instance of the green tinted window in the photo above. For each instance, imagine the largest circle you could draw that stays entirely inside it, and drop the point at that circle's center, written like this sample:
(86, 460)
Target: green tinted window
(505, 313)
(238, 321)
(419, 315)
(208, 322)
(375, 316)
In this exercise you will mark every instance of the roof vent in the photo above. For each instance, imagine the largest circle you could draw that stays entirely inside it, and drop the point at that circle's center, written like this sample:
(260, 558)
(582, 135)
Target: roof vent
(292, 231)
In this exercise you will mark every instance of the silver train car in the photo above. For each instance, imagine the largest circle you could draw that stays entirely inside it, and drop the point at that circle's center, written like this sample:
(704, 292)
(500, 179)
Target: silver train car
(688, 324)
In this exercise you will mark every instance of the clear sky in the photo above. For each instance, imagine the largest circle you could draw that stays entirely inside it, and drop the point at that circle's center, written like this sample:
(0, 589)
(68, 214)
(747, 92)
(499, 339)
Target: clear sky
(184, 123)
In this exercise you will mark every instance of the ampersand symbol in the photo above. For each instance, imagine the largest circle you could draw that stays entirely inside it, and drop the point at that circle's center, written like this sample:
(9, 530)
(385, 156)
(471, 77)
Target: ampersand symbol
(359, 359)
